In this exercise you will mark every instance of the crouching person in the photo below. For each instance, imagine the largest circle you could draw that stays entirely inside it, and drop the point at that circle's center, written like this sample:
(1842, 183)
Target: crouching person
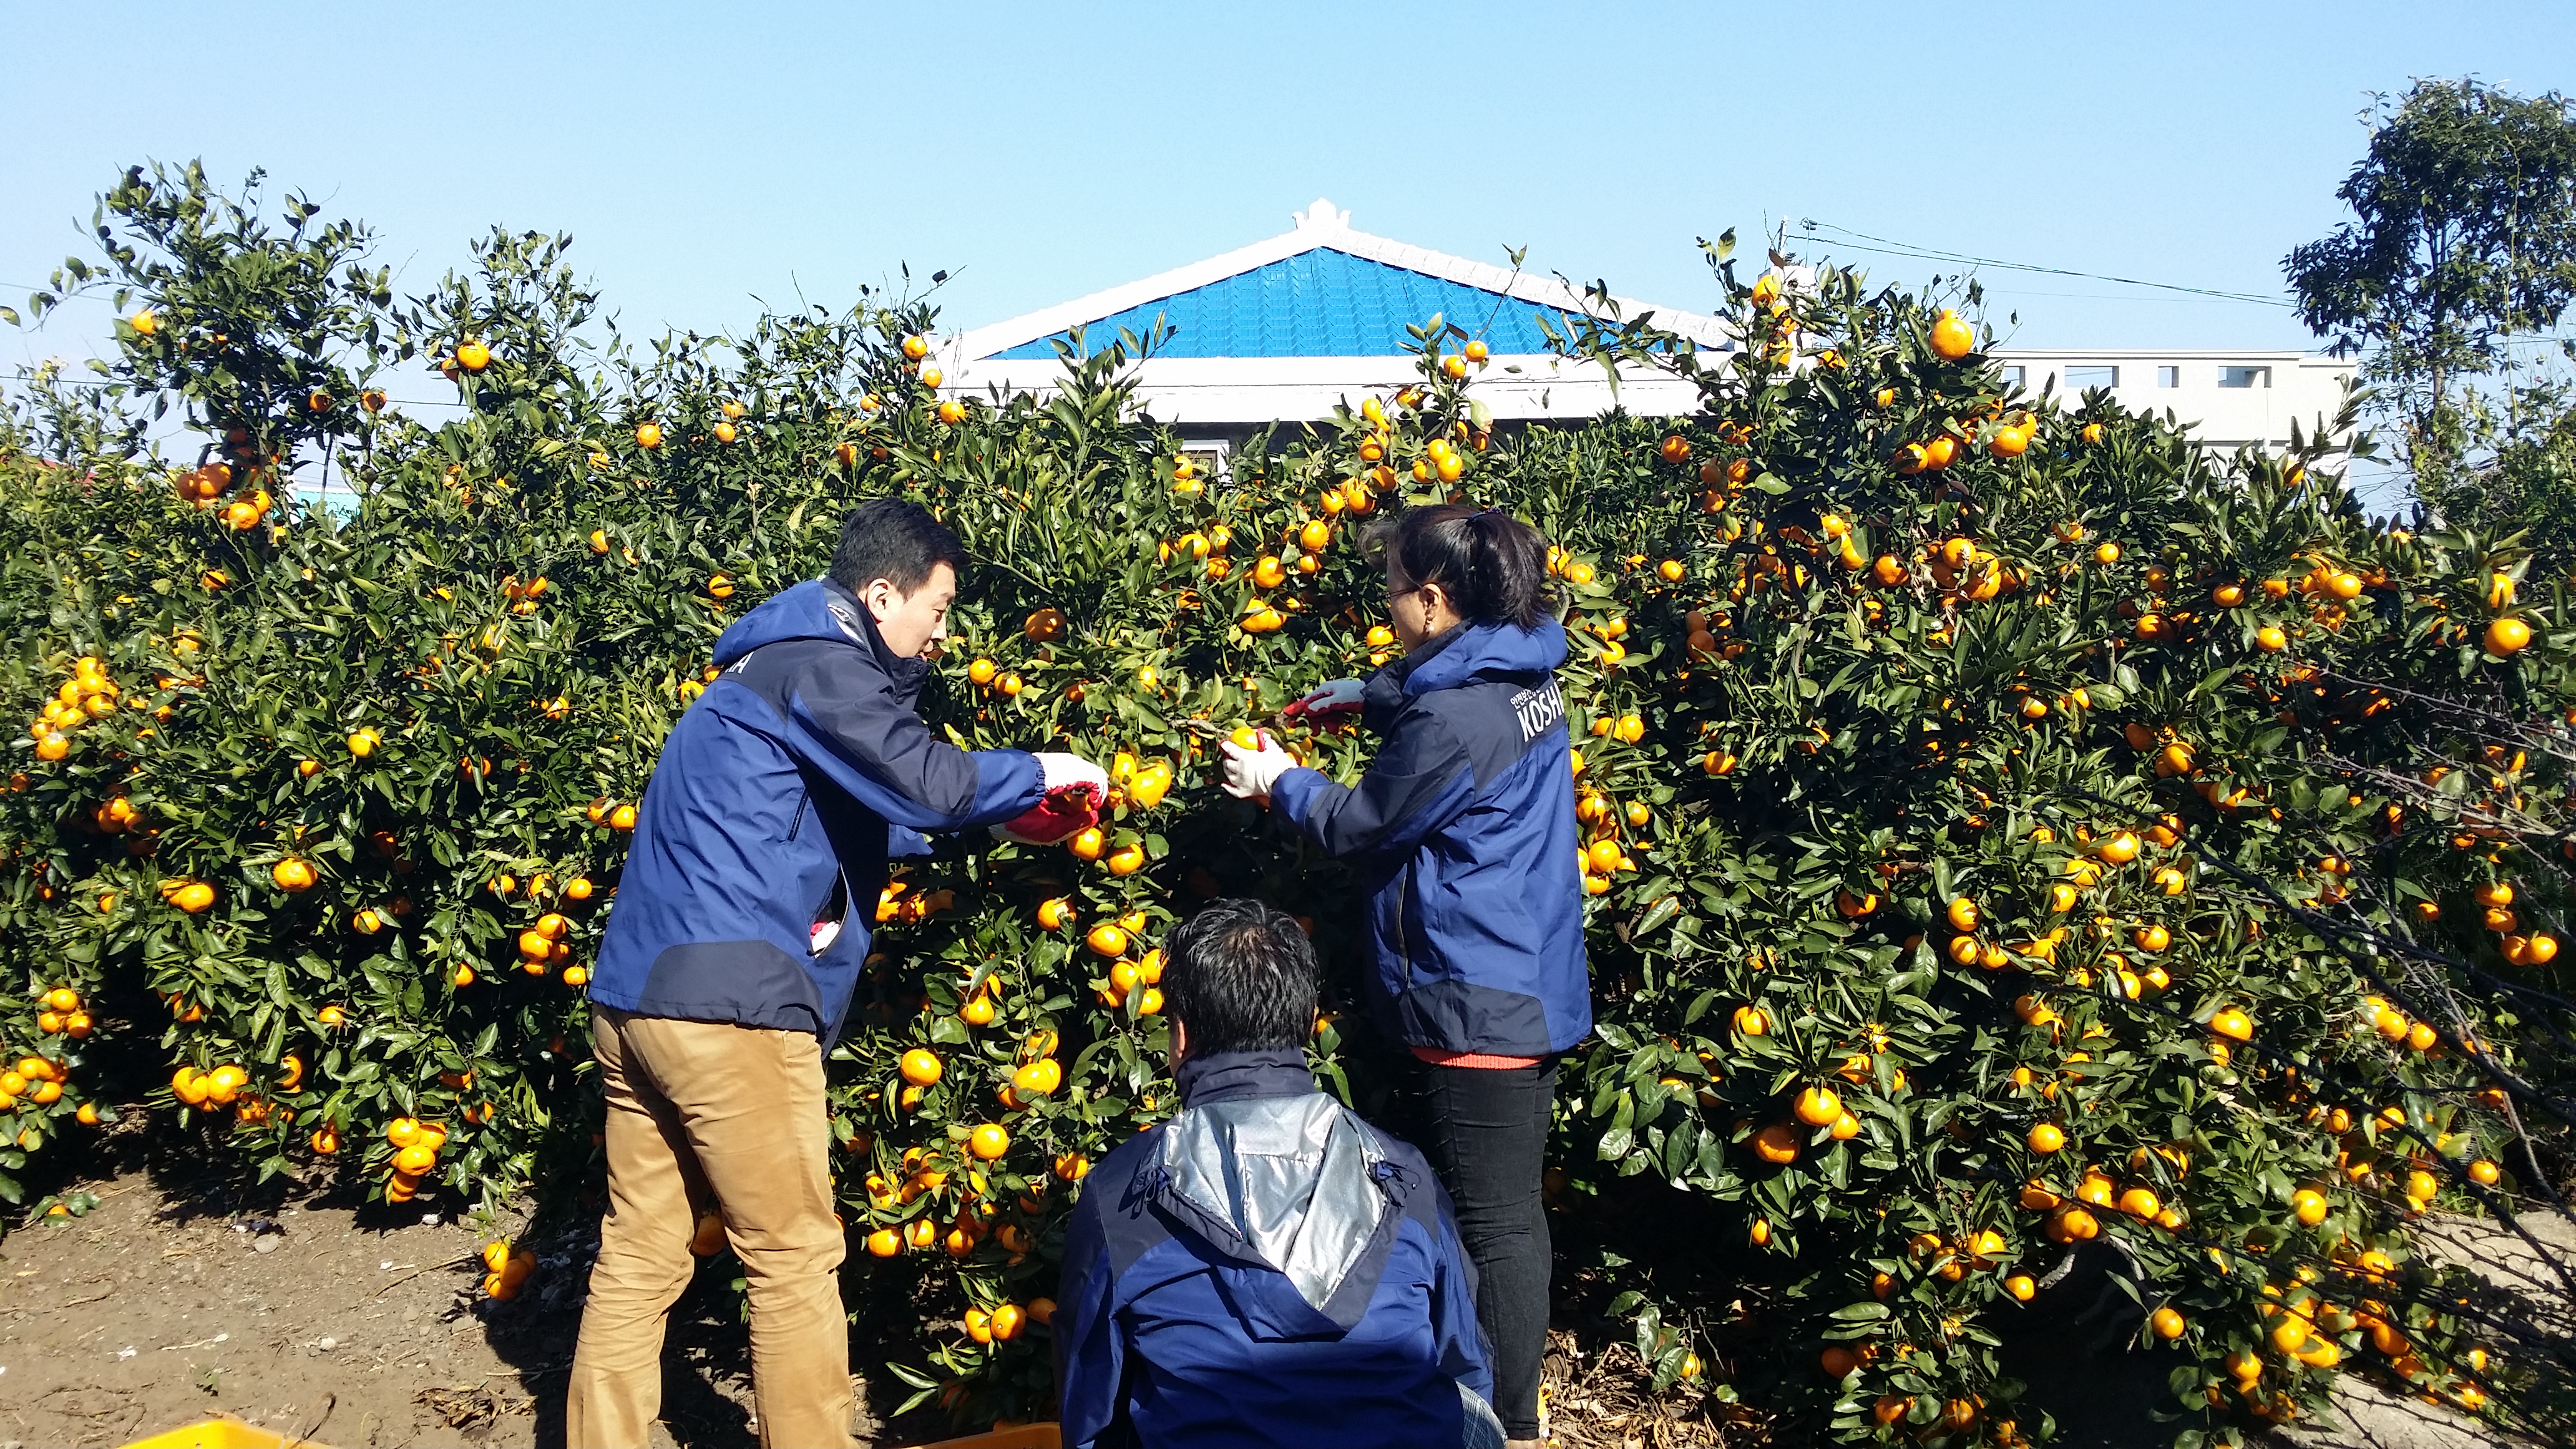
(1265, 1268)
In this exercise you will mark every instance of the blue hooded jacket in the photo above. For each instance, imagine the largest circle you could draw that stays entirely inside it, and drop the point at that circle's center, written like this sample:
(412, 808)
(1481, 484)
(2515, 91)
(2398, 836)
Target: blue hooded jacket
(1265, 1271)
(1463, 830)
(774, 807)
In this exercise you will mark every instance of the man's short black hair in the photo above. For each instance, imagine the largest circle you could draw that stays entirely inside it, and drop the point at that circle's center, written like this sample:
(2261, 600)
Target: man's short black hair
(1242, 978)
(896, 540)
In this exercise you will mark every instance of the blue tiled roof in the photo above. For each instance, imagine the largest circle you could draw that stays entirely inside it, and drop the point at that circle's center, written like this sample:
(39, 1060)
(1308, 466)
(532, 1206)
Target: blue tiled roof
(1318, 303)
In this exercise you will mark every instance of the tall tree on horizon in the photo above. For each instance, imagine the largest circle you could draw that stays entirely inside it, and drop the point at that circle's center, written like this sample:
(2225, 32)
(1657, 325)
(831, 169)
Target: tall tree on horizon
(2464, 237)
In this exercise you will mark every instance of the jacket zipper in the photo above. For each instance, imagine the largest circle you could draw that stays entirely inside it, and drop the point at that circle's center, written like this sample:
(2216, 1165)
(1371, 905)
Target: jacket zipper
(796, 826)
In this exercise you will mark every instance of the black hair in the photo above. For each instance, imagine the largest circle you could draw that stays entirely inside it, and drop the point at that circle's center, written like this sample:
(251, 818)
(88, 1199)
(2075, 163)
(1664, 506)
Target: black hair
(1242, 978)
(1492, 566)
(896, 540)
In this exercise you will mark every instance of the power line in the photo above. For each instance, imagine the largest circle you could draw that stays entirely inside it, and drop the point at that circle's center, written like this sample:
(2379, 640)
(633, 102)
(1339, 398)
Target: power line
(409, 402)
(2001, 290)
(83, 296)
(1890, 247)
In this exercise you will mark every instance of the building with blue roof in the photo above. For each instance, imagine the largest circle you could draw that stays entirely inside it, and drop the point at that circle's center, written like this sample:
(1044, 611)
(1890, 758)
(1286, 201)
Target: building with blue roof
(1321, 302)
(1284, 330)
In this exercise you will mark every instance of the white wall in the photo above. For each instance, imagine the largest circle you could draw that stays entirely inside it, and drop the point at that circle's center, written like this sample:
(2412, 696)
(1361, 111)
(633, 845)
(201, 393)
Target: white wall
(1232, 392)
(1219, 392)
(2302, 387)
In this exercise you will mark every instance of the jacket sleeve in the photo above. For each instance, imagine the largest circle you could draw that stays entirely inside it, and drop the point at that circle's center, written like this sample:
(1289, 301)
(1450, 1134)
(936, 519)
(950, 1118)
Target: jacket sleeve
(1090, 1358)
(850, 726)
(1419, 782)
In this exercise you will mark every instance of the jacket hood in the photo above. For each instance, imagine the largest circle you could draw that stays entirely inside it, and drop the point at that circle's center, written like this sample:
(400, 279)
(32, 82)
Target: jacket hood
(1292, 1182)
(1481, 652)
(814, 609)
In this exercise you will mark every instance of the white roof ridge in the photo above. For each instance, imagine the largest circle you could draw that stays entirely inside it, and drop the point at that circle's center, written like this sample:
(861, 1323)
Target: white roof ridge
(1319, 227)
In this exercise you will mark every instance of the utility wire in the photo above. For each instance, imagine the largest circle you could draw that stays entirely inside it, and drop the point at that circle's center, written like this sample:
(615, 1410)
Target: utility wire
(22, 378)
(1889, 247)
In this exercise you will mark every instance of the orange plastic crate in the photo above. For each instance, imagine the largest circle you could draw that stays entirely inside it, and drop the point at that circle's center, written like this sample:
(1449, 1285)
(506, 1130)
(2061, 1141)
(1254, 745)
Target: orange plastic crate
(1027, 1436)
(234, 1434)
(221, 1434)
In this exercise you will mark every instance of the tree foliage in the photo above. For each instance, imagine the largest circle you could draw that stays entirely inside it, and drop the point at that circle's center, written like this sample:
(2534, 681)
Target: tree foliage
(1990, 762)
(2464, 236)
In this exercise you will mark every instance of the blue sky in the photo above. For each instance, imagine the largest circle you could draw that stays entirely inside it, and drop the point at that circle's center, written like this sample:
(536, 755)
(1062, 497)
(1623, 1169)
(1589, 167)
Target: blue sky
(706, 158)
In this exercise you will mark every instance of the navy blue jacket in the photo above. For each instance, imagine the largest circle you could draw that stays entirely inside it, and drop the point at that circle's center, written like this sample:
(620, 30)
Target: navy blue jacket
(1463, 830)
(1264, 1270)
(776, 802)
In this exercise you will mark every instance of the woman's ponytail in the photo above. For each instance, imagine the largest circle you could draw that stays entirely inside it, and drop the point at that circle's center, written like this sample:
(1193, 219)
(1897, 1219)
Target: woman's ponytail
(1492, 565)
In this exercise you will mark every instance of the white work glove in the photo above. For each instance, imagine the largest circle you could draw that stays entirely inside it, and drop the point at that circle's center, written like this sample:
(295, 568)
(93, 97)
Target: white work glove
(1342, 696)
(1249, 773)
(1062, 771)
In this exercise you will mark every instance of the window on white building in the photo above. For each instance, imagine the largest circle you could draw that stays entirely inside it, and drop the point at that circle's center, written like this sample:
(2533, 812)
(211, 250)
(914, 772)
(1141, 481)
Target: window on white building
(2168, 377)
(2245, 377)
(2013, 374)
(2085, 376)
(1209, 454)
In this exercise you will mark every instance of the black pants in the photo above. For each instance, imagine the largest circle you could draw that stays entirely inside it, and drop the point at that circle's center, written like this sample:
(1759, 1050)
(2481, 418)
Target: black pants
(1485, 1131)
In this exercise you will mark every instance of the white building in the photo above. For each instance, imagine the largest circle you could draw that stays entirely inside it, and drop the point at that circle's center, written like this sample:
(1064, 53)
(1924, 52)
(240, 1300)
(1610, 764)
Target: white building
(2232, 398)
(1284, 329)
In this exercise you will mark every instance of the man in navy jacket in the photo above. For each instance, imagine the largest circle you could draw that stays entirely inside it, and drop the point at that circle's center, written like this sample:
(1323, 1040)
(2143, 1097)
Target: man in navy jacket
(1265, 1269)
(741, 925)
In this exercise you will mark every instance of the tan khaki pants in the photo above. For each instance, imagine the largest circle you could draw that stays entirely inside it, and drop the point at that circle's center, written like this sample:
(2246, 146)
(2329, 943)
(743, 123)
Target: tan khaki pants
(707, 1114)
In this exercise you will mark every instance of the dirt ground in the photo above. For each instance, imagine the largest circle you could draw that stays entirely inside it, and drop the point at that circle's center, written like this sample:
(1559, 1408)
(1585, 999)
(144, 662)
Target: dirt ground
(309, 1319)
(362, 1327)
(182, 1296)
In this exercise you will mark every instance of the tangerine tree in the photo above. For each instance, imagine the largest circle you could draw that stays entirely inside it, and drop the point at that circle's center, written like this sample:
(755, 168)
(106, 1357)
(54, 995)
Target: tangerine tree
(2010, 828)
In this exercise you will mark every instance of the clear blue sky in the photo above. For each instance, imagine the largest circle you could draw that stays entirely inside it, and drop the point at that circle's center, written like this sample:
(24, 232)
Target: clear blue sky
(707, 156)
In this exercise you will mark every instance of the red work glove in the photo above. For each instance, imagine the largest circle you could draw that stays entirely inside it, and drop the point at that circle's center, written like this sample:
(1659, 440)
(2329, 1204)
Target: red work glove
(1075, 791)
(1341, 698)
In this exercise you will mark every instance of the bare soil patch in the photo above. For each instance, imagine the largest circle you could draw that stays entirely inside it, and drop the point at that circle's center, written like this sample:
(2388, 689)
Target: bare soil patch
(182, 1297)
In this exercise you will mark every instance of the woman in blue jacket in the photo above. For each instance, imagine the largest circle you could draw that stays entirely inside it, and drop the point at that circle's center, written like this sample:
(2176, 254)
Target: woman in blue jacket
(1463, 829)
